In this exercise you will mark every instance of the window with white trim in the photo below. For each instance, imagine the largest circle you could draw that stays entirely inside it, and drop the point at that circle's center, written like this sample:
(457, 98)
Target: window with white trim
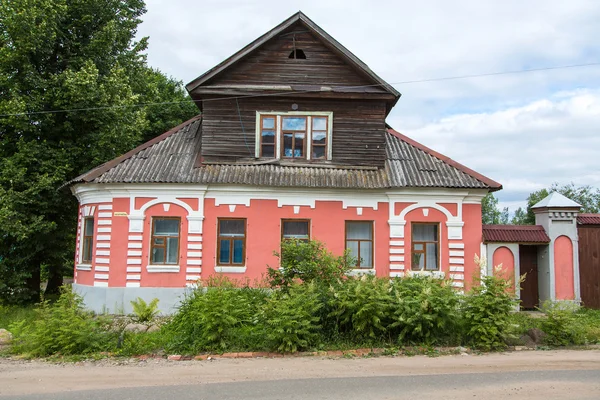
(164, 248)
(425, 247)
(294, 135)
(88, 240)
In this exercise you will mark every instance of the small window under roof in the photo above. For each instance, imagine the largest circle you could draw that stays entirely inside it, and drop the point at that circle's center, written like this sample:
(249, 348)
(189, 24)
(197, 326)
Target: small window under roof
(298, 54)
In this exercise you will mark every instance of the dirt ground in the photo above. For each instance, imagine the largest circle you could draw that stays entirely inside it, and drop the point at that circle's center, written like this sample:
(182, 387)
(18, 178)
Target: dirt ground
(18, 377)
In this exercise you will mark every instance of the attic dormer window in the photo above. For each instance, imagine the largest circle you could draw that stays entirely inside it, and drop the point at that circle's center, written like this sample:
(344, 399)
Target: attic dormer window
(298, 54)
(294, 135)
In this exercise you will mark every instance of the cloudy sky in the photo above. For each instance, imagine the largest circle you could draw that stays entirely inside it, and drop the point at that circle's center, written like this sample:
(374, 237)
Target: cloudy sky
(524, 130)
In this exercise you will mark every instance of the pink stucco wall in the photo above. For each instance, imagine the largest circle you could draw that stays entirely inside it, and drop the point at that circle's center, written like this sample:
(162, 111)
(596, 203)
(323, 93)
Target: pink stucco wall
(504, 257)
(563, 268)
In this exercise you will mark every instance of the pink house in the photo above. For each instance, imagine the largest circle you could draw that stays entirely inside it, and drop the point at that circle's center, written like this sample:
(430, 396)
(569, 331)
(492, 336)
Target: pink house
(291, 143)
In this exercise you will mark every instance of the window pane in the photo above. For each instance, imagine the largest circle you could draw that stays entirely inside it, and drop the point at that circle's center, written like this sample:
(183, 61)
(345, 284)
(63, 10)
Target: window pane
(299, 145)
(432, 262)
(294, 124)
(359, 230)
(238, 252)
(224, 253)
(158, 255)
(366, 254)
(268, 137)
(87, 249)
(287, 144)
(319, 137)
(318, 152)
(268, 123)
(418, 246)
(418, 261)
(353, 247)
(425, 232)
(159, 241)
(268, 150)
(295, 229)
(232, 227)
(319, 123)
(172, 250)
(166, 227)
(89, 227)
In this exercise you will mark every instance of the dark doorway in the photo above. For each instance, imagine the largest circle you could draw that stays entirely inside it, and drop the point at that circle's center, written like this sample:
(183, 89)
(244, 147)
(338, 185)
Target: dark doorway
(589, 265)
(529, 288)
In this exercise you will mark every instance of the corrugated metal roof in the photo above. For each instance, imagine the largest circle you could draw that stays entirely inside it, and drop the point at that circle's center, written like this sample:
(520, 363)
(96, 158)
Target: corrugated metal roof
(588, 219)
(170, 158)
(515, 234)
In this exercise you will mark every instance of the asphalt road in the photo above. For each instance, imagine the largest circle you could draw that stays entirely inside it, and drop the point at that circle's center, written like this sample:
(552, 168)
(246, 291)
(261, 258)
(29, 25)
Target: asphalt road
(547, 385)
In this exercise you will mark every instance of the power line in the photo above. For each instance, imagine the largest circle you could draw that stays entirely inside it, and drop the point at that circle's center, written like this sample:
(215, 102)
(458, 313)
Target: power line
(447, 78)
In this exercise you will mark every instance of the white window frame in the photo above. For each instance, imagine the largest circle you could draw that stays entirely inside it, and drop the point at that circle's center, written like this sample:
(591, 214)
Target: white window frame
(309, 115)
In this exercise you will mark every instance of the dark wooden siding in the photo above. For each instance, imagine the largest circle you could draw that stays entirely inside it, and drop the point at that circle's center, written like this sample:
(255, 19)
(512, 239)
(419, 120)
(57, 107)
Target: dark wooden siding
(358, 128)
(589, 264)
(271, 65)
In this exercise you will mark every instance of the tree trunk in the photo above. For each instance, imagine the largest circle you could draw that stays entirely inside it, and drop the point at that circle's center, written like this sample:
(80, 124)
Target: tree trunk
(33, 284)
(55, 281)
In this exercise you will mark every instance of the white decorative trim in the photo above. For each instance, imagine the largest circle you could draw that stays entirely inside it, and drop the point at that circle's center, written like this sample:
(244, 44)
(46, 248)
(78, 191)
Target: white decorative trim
(359, 210)
(193, 270)
(104, 230)
(162, 268)
(361, 271)
(230, 270)
(194, 238)
(134, 245)
(232, 208)
(396, 242)
(397, 266)
(136, 223)
(458, 284)
(134, 261)
(134, 269)
(195, 224)
(296, 209)
(132, 284)
(103, 245)
(134, 277)
(102, 261)
(459, 261)
(396, 274)
(166, 207)
(396, 251)
(104, 215)
(456, 245)
(134, 253)
(83, 267)
(102, 269)
(425, 211)
(101, 276)
(455, 229)
(435, 274)
(192, 277)
(104, 222)
(194, 262)
(457, 253)
(103, 252)
(457, 269)
(192, 246)
(459, 277)
(104, 207)
(194, 254)
(135, 237)
(396, 258)
(396, 228)
(103, 237)
(100, 284)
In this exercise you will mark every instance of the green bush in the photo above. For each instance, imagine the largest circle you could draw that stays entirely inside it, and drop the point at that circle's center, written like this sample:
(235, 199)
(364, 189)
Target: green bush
(144, 312)
(562, 325)
(308, 262)
(486, 312)
(62, 328)
(361, 306)
(424, 310)
(291, 318)
(210, 318)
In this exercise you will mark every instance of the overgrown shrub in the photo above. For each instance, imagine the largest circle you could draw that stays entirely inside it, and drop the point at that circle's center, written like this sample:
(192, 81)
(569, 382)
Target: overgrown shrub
(144, 312)
(210, 317)
(64, 327)
(562, 325)
(361, 306)
(486, 312)
(291, 318)
(308, 262)
(424, 310)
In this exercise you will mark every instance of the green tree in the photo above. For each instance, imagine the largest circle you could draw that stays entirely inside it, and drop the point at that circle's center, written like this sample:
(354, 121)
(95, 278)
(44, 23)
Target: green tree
(586, 195)
(65, 55)
(491, 213)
